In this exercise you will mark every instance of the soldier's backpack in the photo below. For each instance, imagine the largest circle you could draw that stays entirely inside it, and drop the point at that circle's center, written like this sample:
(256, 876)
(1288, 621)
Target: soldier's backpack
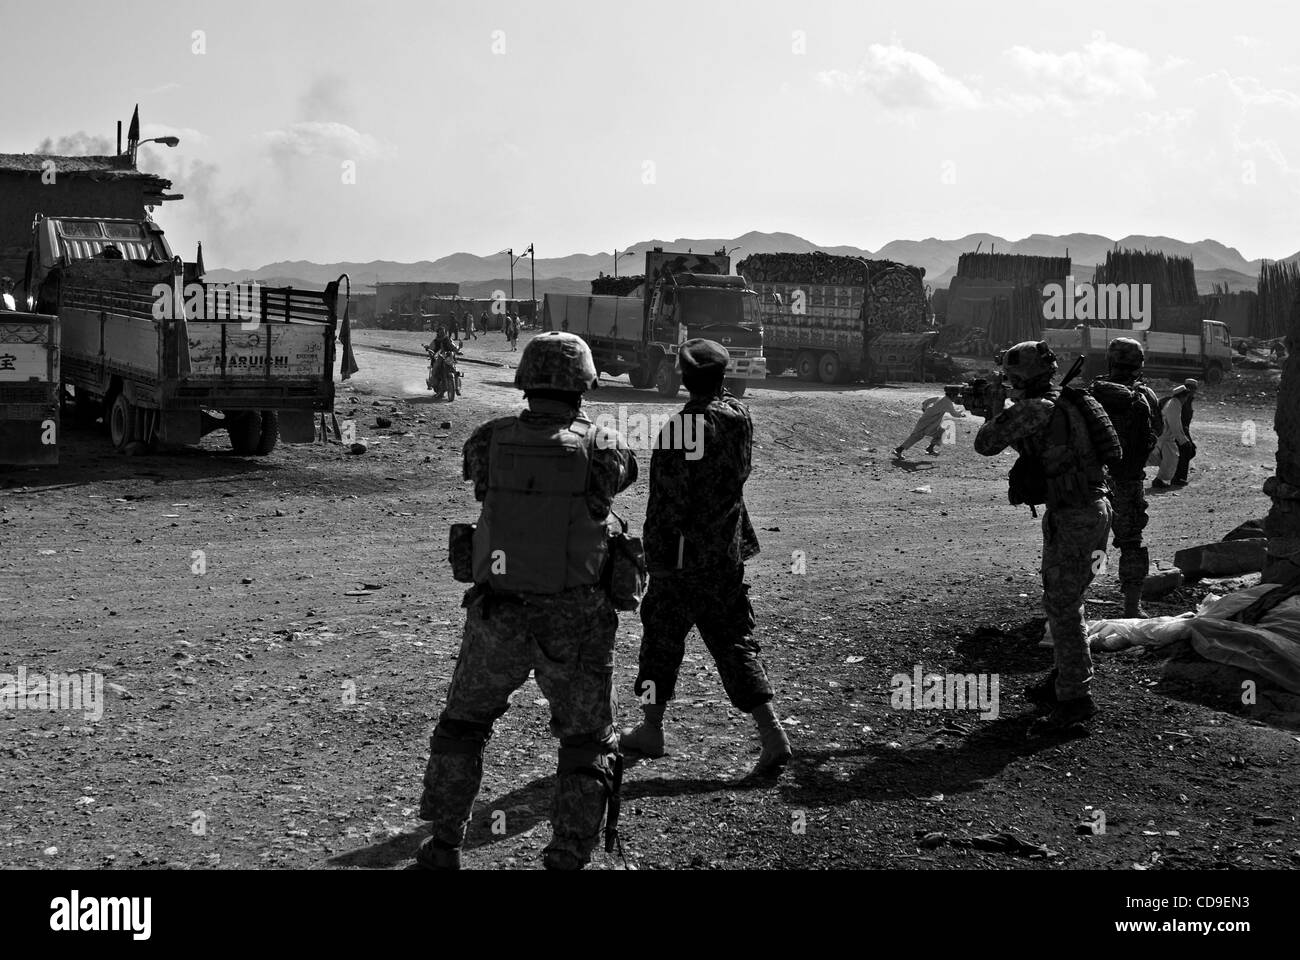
(1101, 431)
(1132, 417)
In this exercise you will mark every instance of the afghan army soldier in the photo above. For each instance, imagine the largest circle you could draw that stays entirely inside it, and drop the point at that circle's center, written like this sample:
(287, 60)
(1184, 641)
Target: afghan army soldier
(697, 539)
(547, 479)
(1065, 440)
(1134, 411)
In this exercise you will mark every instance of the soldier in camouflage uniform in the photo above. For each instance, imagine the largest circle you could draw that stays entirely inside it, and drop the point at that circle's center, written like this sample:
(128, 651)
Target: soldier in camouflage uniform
(1134, 410)
(1064, 443)
(697, 539)
(546, 479)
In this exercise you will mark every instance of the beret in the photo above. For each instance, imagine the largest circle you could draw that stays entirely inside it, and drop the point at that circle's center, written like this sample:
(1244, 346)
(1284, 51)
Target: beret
(702, 356)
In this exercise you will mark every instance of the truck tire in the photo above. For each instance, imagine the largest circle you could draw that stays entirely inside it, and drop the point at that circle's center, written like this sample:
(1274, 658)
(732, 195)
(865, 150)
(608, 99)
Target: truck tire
(121, 422)
(245, 429)
(737, 387)
(829, 368)
(270, 433)
(805, 366)
(642, 377)
(1214, 374)
(666, 379)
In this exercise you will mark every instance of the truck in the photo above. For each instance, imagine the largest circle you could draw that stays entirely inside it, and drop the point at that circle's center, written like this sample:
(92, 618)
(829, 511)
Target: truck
(166, 358)
(821, 312)
(1207, 355)
(29, 389)
(680, 297)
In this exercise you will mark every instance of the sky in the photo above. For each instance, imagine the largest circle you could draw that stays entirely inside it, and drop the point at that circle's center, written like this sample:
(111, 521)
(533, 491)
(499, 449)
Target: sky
(413, 129)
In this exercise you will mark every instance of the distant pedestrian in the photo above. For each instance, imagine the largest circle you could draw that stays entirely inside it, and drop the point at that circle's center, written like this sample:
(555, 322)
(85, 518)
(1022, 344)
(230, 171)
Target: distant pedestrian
(1176, 446)
(483, 322)
(455, 327)
(930, 424)
(512, 329)
(469, 325)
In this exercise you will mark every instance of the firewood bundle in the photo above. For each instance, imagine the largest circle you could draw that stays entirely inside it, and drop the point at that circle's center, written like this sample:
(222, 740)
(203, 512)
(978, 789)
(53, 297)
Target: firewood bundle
(1020, 269)
(616, 286)
(1172, 279)
(1279, 287)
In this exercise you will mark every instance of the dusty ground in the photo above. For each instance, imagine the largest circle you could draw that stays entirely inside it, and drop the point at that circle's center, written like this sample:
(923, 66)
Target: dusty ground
(230, 737)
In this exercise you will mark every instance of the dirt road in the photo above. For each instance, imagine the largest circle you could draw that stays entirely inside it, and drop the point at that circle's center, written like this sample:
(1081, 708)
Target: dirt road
(263, 709)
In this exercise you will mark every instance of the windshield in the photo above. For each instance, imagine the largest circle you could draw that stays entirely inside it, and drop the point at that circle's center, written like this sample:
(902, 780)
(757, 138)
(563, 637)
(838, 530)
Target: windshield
(701, 308)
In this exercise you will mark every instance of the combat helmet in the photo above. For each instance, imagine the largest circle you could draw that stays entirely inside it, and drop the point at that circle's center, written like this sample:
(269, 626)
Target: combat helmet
(1125, 352)
(1028, 362)
(557, 361)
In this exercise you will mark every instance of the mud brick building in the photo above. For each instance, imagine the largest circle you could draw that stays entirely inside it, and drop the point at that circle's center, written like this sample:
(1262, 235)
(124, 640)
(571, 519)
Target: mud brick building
(68, 186)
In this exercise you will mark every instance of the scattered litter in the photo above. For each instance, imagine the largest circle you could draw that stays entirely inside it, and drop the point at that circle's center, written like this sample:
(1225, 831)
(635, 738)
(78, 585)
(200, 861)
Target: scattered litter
(925, 489)
(854, 659)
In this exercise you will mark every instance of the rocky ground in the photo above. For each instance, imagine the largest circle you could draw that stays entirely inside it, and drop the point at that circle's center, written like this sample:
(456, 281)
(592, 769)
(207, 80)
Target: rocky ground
(274, 709)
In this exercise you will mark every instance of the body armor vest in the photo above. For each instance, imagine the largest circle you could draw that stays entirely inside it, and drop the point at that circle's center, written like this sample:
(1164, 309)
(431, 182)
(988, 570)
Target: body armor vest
(535, 533)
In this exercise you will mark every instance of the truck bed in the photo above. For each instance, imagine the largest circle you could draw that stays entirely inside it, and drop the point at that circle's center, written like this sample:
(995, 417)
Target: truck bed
(29, 385)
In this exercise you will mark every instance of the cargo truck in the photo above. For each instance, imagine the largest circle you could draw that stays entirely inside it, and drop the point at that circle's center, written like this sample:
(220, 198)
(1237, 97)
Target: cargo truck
(166, 358)
(1206, 356)
(822, 330)
(29, 389)
(683, 296)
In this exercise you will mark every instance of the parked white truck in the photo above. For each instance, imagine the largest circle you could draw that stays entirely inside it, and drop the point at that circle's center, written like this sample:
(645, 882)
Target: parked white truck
(1174, 355)
(167, 358)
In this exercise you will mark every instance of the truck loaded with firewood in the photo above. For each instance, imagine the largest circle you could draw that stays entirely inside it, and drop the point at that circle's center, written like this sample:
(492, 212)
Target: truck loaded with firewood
(680, 296)
(821, 313)
(164, 357)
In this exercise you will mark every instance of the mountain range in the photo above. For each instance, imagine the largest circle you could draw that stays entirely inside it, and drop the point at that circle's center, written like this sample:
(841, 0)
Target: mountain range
(478, 275)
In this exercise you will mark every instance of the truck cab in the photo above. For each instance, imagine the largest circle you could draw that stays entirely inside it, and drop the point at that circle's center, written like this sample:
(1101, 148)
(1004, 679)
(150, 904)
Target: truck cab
(721, 308)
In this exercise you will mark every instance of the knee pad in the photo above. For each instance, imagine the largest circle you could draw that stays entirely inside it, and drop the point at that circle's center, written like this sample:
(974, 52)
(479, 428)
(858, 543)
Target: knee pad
(459, 736)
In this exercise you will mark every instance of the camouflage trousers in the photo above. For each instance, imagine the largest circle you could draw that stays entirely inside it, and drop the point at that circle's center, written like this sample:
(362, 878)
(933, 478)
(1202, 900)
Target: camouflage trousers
(1129, 501)
(567, 641)
(1071, 535)
(717, 603)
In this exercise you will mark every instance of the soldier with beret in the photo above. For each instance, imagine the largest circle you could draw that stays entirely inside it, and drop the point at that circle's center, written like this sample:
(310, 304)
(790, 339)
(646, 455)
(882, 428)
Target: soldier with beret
(697, 538)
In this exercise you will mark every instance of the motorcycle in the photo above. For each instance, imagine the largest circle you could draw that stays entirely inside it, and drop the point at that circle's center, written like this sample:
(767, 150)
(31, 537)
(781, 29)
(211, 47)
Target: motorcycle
(443, 377)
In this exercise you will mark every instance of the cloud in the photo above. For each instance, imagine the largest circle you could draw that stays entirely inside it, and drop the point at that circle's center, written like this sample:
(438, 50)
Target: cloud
(902, 79)
(79, 144)
(322, 139)
(1102, 70)
(1248, 42)
(1252, 93)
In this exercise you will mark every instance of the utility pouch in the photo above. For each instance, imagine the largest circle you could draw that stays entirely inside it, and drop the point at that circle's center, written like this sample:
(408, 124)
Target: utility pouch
(1027, 483)
(626, 574)
(460, 551)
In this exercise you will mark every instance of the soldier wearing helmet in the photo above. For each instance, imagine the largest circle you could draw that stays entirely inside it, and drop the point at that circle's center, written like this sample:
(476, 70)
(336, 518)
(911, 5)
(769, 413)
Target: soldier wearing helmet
(1064, 439)
(547, 479)
(1134, 410)
(697, 539)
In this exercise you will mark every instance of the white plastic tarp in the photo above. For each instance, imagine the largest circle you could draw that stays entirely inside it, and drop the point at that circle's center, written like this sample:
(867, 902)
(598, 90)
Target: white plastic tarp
(1270, 648)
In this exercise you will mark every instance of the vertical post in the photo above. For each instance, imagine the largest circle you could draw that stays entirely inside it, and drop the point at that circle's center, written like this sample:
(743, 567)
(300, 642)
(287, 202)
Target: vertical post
(532, 271)
(119, 139)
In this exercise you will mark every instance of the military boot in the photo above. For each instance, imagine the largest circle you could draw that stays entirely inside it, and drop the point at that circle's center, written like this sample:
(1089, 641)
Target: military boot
(1068, 719)
(647, 737)
(776, 746)
(436, 855)
(1133, 602)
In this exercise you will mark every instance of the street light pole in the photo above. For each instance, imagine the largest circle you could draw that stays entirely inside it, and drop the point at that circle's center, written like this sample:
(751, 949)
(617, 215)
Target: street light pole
(532, 275)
